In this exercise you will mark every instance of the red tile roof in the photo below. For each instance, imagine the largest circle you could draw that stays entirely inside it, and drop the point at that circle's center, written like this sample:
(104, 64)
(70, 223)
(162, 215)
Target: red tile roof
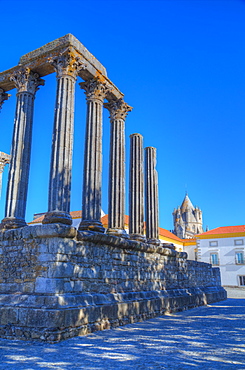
(226, 230)
(37, 220)
(104, 220)
(168, 234)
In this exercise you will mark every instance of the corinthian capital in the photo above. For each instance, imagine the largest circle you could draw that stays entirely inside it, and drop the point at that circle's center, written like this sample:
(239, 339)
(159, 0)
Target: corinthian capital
(3, 96)
(67, 64)
(4, 159)
(27, 81)
(118, 109)
(94, 89)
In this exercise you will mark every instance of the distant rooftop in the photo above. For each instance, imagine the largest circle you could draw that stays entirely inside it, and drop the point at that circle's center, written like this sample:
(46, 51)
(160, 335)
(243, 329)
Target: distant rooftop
(225, 230)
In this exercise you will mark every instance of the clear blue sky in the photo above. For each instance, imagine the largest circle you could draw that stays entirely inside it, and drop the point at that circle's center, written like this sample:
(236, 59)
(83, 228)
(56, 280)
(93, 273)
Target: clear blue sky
(180, 64)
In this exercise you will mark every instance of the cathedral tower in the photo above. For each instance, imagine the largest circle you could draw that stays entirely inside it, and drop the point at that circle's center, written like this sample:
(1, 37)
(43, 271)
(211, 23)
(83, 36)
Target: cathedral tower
(187, 220)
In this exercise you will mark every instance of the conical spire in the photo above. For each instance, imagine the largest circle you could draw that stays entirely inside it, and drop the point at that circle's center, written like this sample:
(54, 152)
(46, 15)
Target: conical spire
(186, 204)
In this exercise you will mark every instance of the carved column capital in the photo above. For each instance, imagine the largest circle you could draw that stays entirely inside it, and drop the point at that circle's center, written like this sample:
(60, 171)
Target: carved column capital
(118, 109)
(67, 64)
(27, 81)
(4, 159)
(3, 96)
(94, 89)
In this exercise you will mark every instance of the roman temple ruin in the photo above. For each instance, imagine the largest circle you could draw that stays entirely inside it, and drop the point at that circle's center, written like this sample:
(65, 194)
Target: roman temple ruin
(57, 281)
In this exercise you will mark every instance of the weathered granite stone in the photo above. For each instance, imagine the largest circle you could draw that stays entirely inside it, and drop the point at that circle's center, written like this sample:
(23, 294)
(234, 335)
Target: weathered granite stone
(92, 172)
(151, 198)
(67, 66)
(54, 286)
(38, 61)
(136, 188)
(26, 83)
(118, 111)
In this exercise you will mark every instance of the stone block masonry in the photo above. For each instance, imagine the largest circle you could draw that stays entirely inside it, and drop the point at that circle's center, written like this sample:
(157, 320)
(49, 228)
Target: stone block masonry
(57, 282)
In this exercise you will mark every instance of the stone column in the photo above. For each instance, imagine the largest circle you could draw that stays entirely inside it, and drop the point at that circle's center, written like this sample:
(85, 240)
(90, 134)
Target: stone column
(136, 188)
(3, 96)
(118, 112)
(27, 84)
(4, 159)
(67, 66)
(92, 172)
(151, 184)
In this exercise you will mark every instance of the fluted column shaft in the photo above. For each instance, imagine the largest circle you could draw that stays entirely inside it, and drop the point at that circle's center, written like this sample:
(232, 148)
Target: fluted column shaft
(116, 197)
(27, 84)
(92, 172)
(116, 210)
(136, 188)
(67, 67)
(151, 184)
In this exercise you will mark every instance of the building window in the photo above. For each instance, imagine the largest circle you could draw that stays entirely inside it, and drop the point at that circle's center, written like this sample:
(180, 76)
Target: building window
(239, 256)
(241, 280)
(214, 259)
(238, 241)
(213, 243)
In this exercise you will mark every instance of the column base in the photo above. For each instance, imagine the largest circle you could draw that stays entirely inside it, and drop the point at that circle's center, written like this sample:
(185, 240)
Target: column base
(57, 217)
(138, 237)
(168, 245)
(154, 241)
(12, 223)
(117, 232)
(92, 225)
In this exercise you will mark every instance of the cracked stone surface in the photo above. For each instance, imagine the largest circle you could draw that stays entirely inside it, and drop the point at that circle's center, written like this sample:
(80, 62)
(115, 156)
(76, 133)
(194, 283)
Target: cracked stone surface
(208, 337)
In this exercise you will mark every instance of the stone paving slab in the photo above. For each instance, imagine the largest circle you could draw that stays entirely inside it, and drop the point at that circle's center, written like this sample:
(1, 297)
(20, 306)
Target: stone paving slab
(210, 337)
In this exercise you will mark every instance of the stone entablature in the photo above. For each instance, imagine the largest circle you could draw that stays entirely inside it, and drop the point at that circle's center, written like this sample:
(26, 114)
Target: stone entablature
(39, 61)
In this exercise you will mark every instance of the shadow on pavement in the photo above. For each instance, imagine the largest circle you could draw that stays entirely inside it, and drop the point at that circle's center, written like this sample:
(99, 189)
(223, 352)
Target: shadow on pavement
(209, 337)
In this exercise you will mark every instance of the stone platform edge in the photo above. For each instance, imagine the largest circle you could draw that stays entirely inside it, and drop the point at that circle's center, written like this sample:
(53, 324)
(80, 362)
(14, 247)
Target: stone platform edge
(55, 318)
(70, 232)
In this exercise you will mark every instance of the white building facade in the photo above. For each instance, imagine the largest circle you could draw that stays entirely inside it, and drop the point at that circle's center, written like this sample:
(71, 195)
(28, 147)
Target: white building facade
(224, 247)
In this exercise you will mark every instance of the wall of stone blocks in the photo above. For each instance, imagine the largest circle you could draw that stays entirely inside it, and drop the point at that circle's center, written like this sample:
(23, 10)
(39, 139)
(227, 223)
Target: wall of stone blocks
(63, 265)
(56, 282)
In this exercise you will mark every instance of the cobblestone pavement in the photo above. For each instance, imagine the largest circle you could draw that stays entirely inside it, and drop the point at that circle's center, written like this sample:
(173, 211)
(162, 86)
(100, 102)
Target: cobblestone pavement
(210, 337)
